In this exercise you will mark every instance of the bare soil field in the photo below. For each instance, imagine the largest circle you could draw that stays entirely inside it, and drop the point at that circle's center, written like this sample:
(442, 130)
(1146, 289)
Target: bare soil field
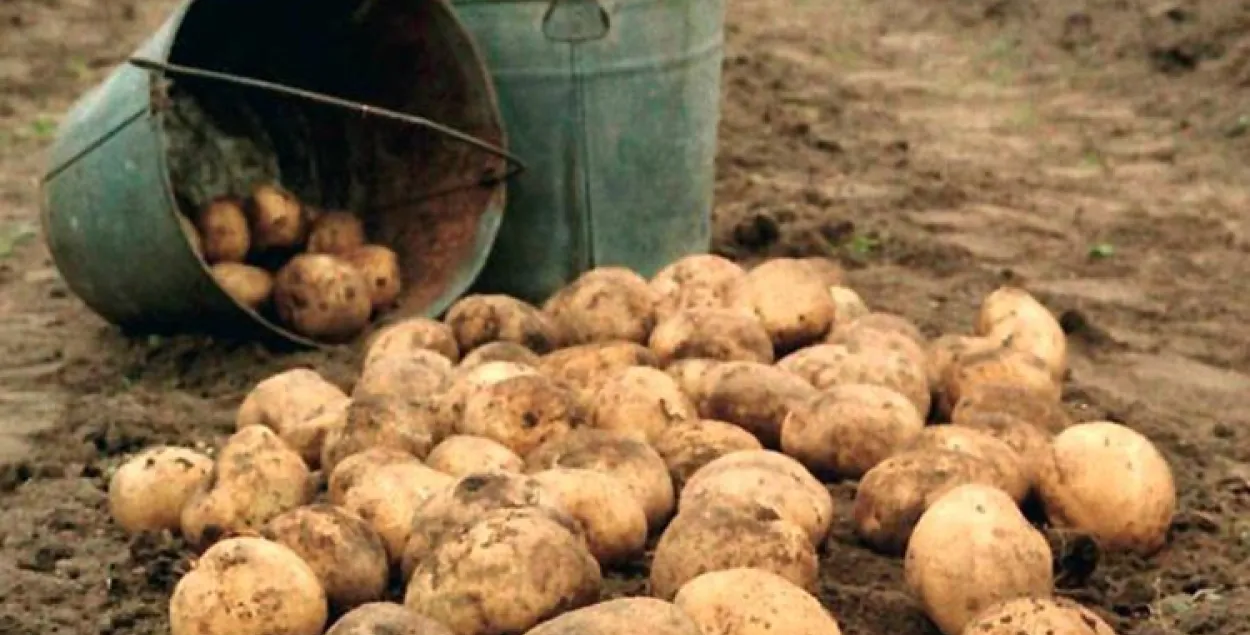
(1096, 153)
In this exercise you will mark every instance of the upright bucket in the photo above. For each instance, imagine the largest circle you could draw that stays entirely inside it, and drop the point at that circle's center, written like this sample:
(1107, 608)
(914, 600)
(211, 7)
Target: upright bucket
(142, 145)
(613, 105)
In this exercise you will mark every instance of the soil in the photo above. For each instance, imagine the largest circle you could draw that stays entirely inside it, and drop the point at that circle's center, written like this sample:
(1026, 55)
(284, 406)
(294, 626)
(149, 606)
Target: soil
(1096, 153)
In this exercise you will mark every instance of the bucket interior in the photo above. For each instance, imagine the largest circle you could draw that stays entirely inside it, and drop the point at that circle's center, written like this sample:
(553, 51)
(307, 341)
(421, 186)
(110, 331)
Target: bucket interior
(418, 191)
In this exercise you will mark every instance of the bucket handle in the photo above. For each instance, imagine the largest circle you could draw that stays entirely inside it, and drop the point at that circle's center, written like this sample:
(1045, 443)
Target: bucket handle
(576, 21)
(515, 165)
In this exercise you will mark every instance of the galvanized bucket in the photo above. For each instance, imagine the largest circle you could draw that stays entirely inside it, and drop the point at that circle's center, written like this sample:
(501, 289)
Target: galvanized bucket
(338, 101)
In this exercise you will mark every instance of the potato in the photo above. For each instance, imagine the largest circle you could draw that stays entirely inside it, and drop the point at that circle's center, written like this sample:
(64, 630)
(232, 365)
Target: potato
(790, 300)
(1110, 482)
(345, 553)
(892, 496)
(411, 425)
(847, 430)
(419, 373)
(881, 334)
(1051, 616)
(828, 365)
(521, 412)
(148, 491)
(690, 446)
(1013, 316)
(763, 477)
(641, 401)
(998, 366)
(387, 497)
(463, 454)
(255, 478)
(386, 618)
(350, 470)
(466, 381)
(746, 601)
(971, 549)
(881, 322)
(281, 401)
(379, 265)
(1013, 478)
(223, 230)
(499, 352)
(504, 573)
(308, 437)
(249, 286)
(336, 233)
(623, 616)
(744, 535)
(945, 350)
(1017, 401)
(276, 219)
(615, 525)
(193, 235)
(754, 396)
(322, 297)
(699, 281)
(248, 586)
(847, 305)
(477, 320)
(585, 367)
(722, 334)
(605, 304)
(634, 462)
(828, 270)
(1029, 443)
(409, 335)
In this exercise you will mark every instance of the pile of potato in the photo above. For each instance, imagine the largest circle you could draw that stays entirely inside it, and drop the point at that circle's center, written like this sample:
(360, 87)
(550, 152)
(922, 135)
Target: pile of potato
(311, 269)
(485, 470)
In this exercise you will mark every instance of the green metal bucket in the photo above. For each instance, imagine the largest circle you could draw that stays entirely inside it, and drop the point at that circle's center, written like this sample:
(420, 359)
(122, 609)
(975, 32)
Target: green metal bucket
(614, 106)
(227, 92)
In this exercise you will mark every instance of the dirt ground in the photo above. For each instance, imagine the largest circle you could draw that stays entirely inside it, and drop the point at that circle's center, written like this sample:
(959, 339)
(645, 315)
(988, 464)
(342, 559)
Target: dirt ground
(1097, 153)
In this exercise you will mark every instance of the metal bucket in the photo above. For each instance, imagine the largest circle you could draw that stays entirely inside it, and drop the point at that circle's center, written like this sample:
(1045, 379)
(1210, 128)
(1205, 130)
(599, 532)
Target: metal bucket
(230, 92)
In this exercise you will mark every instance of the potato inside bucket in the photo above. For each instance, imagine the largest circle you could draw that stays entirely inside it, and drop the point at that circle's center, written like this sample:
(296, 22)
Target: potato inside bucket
(433, 199)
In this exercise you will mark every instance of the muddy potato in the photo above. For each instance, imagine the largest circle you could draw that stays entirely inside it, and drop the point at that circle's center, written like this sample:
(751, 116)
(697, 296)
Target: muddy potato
(1051, 616)
(521, 412)
(606, 304)
(379, 265)
(463, 454)
(335, 232)
(419, 373)
(641, 401)
(1017, 401)
(248, 586)
(345, 553)
(744, 535)
(997, 366)
(275, 218)
(256, 477)
(478, 320)
(411, 425)
(148, 491)
(700, 281)
(1013, 477)
(882, 334)
(847, 305)
(622, 616)
(223, 231)
(350, 470)
(892, 496)
(847, 430)
(584, 368)
(763, 477)
(519, 566)
(1013, 316)
(409, 335)
(322, 297)
(1110, 482)
(721, 334)
(884, 322)
(387, 497)
(499, 352)
(466, 381)
(634, 462)
(290, 397)
(249, 286)
(386, 618)
(943, 351)
(614, 523)
(308, 437)
(193, 235)
(754, 396)
(690, 446)
(1030, 443)
(748, 601)
(828, 365)
(694, 378)
(972, 548)
(790, 300)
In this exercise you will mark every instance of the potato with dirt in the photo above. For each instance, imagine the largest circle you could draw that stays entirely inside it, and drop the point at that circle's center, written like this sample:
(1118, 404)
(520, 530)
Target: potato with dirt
(255, 478)
(699, 281)
(409, 335)
(585, 367)
(1016, 318)
(606, 304)
(694, 378)
(828, 365)
(1108, 481)
(379, 265)
(419, 373)
(744, 535)
(322, 297)
(846, 430)
(467, 381)
(477, 320)
(847, 305)
(148, 491)
(721, 334)
(308, 436)
(283, 401)
(635, 463)
(827, 269)
(747, 601)
(335, 232)
(997, 366)
(790, 300)
(1016, 401)
(1030, 443)
(690, 446)
(614, 523)
(1048, 615)
(499, 352)
(223, 231)
(1013, 475)
(461, 454)
(413, 425)
(276, 219)
(518, 566)
(756, 397)
(341, 548)
(881, 322)
(349, 471)
(945, 350)
(763, 477)
(386, 618)
(387, 497)
(971, 549)
(521, 412)
(249, 286)
(884, 331)
(641, 401)
(621, 616)
(248, 586)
